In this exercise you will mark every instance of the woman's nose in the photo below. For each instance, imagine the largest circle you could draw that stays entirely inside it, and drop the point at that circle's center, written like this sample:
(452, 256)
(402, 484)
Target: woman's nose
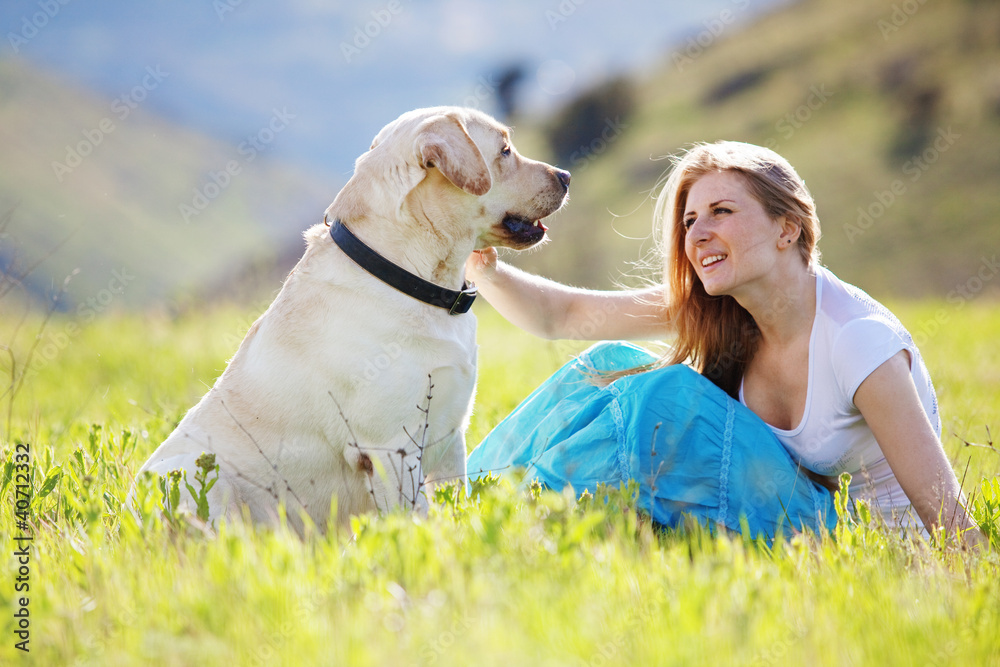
(697, 233)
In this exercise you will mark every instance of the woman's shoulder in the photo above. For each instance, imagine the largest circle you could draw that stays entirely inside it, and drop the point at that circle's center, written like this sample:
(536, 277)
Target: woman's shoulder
(861, 333)
(844, 304)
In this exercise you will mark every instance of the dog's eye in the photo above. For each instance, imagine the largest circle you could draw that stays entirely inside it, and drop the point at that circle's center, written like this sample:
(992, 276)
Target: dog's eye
(505, 151)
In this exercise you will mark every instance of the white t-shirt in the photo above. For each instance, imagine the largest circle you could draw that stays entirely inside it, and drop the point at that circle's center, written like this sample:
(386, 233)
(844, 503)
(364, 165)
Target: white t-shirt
(852, 335)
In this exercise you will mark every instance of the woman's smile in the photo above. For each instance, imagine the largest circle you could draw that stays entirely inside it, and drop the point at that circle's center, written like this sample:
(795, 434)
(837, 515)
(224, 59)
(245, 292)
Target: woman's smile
(712, 260)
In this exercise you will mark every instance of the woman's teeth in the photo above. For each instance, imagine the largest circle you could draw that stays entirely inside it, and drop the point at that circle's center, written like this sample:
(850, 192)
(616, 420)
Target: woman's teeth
(712, 260)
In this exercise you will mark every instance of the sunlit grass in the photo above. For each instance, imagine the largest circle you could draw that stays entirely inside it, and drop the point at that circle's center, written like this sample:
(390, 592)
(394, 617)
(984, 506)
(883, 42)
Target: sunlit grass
(505, 579)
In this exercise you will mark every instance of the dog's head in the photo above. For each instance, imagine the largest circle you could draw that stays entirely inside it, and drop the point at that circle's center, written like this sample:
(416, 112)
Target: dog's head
(455, 171)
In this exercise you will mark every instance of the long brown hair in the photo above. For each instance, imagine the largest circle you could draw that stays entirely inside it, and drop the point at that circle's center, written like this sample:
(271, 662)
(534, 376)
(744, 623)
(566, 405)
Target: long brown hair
(715, 334)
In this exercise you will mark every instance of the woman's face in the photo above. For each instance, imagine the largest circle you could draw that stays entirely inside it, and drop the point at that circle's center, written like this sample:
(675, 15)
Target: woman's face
(730, 239)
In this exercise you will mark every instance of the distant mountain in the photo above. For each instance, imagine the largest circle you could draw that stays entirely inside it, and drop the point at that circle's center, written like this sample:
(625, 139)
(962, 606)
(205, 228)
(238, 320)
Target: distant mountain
(188, 143)
(151, 211)
(344, 69)
(890, 111)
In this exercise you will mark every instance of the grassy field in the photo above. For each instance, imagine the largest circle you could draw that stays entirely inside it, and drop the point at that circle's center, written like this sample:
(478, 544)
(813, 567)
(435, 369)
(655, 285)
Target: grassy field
(507, 578)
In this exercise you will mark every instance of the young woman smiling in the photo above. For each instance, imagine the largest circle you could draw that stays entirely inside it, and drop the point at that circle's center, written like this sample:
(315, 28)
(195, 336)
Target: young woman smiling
(780, 376)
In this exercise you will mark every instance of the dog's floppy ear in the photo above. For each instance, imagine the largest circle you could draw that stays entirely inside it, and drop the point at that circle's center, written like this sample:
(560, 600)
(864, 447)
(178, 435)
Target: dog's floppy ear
(442, 142)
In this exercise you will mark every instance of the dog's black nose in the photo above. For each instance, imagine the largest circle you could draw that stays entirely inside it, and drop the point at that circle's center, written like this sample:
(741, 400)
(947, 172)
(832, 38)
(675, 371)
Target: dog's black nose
(563, 177)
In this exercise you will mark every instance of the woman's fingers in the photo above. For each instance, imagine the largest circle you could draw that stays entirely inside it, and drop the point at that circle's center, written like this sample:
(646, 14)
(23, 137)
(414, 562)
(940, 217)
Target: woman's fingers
(481, 263)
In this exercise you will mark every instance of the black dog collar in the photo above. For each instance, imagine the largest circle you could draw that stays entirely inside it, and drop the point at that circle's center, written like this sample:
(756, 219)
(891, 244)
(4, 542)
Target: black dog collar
(455, 302)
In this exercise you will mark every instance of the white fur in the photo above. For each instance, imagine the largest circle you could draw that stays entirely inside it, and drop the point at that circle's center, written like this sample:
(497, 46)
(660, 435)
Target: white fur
(343, 380)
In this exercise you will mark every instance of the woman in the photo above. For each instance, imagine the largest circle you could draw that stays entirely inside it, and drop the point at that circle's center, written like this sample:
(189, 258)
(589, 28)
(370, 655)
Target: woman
(832, 380)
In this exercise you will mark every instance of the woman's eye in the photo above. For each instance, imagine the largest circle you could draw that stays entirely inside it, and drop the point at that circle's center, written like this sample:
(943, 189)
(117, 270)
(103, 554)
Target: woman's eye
(720, 210)
(688, 223)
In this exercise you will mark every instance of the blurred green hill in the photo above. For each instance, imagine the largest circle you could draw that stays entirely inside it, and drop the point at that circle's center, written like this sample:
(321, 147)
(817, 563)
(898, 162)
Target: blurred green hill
(148, 210)
(889, 110)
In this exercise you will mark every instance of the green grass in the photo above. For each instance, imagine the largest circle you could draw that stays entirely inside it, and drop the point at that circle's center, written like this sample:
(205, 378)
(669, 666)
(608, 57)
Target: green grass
(507, 578)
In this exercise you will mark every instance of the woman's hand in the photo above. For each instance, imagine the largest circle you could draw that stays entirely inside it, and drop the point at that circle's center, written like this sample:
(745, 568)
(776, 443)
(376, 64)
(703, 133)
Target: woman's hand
(481, 265)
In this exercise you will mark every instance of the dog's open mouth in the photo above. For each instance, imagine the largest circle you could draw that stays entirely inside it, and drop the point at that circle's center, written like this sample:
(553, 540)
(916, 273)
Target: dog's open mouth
(524, 231)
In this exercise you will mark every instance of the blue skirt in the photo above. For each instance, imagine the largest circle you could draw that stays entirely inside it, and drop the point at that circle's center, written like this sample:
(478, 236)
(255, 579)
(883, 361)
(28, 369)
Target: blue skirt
(694, 450)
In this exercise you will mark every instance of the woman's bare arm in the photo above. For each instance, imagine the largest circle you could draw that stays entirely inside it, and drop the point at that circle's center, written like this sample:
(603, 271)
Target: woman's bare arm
(555, 311)
(889, 402)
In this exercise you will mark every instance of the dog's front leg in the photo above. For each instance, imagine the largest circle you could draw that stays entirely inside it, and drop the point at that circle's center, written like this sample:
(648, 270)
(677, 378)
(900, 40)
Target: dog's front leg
(450, 468)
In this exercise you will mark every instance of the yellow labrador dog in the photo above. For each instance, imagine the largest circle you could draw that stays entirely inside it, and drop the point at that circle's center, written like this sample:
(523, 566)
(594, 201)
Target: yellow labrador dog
(356, 384)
